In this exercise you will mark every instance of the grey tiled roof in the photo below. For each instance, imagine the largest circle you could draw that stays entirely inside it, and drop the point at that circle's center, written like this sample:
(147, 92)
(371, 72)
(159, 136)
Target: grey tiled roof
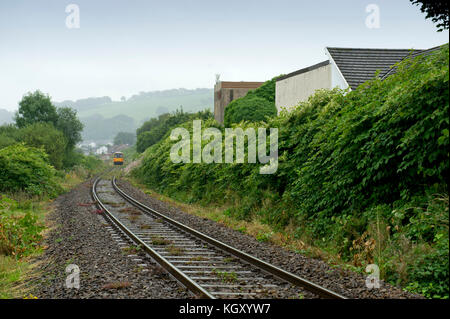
(310, 68)
(359, 65)
(392, 70)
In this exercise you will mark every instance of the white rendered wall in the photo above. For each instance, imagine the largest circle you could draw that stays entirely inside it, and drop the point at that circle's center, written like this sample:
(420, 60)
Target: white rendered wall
(337, 80)
(289, 92)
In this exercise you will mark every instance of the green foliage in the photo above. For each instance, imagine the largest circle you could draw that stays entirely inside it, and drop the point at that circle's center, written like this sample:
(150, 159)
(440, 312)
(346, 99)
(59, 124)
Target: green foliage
(72, 157)
(436, 10)
(265, 91)
(130, 154)
(255, 106)
(41, 124)
(358, 174)
(35, 107)
(154, 130)
(9, 134)
(46, 136)
(19, 230)
(70, 125)
(377, 144)
(91, 163)
(42, 135)
(429, 274)
(144, 140)
(125, 138)
(26, 169)
(248, 109)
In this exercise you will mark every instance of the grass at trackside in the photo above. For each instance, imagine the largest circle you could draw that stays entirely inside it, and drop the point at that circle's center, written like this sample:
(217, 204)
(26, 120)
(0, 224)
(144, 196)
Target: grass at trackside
(16, 267)
(11, 272)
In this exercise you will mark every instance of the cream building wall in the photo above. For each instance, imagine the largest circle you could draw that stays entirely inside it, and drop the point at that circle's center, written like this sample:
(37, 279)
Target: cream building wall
(298, 86)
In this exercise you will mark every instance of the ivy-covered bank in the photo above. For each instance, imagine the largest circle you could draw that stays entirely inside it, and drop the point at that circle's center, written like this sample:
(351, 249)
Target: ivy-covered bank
(361, 175)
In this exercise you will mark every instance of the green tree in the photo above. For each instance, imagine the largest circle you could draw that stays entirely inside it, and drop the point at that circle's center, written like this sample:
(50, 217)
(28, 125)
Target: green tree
(9, 134)
(125, 138)
(26, 169)
(46, 136)
(70, 125)
(144, 140)
(436, 10)
(35, 107)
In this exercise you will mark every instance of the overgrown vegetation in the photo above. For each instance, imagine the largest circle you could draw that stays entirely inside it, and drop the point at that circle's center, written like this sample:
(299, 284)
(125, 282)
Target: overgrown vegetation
(26, 169)
(256, 105)
(38, 161)
(156, 129)
(20, 235)
(361, 175)
(39, 123)
(19, 227)
(27, 182)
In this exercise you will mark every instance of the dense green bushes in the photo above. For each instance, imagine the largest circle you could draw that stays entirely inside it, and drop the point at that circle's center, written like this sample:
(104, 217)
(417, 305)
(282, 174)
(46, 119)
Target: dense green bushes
(46, 136)
(33, 154)
(40, 124)
(361, 174)
(41, 144)
(26, 169)
(38, 135)
(153, 130)
(252, 109)
(255, 106)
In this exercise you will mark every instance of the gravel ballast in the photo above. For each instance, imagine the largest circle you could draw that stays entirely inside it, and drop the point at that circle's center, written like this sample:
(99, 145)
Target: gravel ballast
(79, 236)
(345, 282)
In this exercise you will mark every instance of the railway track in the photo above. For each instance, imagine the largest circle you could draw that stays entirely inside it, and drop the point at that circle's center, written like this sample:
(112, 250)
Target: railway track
(205, 266)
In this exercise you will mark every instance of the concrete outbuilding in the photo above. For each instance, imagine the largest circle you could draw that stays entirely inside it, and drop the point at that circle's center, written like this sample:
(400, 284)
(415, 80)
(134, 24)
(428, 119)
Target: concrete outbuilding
(225, 92)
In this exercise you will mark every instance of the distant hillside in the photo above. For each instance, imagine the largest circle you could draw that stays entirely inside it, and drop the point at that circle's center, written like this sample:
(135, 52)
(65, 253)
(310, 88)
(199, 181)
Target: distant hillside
(6, 116)
(85, 104)
(102, 130)
(144, 105)
(104, 118)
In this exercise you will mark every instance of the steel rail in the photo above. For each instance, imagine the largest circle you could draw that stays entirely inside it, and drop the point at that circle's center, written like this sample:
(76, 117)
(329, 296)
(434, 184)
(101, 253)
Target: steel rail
(173, 270)
(278, 272)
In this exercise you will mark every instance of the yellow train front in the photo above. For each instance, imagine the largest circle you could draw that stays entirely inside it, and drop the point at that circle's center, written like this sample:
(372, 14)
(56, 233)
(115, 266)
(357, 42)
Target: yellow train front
(118, 158)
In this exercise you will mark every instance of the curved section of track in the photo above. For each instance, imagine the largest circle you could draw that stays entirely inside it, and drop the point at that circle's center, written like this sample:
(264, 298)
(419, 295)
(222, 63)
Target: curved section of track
(204, 265)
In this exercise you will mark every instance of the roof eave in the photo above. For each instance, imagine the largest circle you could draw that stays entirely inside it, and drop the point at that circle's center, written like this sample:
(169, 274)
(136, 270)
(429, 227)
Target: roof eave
(337, 67)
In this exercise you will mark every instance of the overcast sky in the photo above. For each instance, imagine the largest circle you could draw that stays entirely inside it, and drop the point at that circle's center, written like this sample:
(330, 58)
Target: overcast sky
(124, 47)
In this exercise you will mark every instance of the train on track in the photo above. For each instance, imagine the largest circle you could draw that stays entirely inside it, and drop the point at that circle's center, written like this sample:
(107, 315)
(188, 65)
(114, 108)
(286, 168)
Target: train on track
(118, 158)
